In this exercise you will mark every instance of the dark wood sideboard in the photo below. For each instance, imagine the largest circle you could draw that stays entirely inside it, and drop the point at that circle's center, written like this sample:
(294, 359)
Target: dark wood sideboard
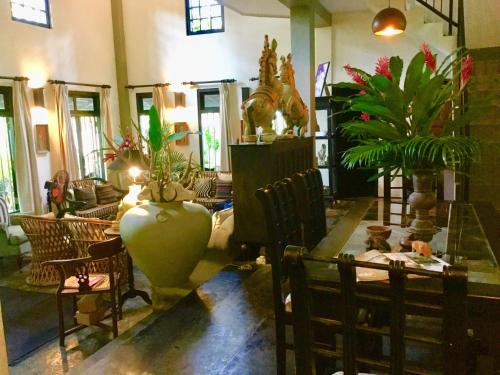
(254, 166)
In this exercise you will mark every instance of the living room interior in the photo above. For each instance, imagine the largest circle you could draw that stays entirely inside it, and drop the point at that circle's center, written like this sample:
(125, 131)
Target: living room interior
(189, 186)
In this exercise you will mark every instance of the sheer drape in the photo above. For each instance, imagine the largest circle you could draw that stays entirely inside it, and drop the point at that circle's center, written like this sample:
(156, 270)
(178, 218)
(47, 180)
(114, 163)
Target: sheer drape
(106, 119)
(28, 188)
(160, 101)
(68, 150)
(225, 121)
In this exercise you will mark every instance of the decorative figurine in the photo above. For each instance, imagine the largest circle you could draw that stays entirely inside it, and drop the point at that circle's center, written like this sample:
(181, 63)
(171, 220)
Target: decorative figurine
(259, 108)
(322, 155)
(292, 106)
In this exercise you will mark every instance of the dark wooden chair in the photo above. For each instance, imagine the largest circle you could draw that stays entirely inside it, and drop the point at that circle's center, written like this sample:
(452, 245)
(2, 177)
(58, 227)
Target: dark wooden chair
(283, 228)
(79, 268)
(308, 188)
(398, 301)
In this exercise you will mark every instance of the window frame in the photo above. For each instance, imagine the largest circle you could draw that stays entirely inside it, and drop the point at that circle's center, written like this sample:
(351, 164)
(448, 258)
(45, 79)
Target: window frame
(202, 109)
(8, 112)
(48, 12)
(202, 32)
(72, 95)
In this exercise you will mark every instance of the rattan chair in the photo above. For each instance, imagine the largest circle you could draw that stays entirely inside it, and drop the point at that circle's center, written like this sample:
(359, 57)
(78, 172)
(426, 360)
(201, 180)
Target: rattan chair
(49, 240)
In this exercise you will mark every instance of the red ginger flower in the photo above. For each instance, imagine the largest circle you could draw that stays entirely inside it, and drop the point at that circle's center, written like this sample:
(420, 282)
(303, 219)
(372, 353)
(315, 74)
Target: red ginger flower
(364, 116)
(467, 65)
(382, 67)
(356, 77)
(430, 59)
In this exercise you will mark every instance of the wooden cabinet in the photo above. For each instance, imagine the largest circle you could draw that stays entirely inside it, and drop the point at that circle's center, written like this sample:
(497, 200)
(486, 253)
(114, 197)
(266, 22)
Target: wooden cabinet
(256, 165)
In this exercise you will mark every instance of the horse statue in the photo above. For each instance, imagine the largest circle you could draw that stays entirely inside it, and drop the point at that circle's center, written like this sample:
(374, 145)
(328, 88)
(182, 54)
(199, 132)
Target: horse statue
(260, 107)
(292, 107)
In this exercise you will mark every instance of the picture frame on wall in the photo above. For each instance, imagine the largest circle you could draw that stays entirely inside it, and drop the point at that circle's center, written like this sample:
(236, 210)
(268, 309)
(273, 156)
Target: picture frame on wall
(321, 74)
(182, 127)
(42, 142)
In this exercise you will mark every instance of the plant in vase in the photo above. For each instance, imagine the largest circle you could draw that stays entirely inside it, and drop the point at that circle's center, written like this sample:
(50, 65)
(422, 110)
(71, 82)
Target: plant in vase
(166, 235)
(407, 125)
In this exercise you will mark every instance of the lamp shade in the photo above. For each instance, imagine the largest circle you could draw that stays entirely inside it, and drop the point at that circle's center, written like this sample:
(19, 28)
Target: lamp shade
(388, 22)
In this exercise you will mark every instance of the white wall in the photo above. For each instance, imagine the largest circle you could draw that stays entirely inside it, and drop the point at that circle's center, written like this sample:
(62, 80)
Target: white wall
(78, 48)
(482, 28)
(158, 50)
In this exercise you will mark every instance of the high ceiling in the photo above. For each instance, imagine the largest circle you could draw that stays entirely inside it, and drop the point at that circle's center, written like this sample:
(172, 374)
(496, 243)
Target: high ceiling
(275, 8)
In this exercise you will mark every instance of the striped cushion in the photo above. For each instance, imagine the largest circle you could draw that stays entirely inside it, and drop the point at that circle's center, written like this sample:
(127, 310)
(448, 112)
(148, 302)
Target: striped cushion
(105, 194)
(224, 189)
(4, 214)
(203, 186)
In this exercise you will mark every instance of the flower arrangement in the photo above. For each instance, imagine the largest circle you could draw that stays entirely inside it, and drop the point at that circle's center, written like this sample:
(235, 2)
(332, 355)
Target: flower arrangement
(407, 125)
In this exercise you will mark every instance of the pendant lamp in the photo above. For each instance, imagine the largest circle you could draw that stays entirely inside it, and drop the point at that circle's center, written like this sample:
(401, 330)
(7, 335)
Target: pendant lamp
(389, 22)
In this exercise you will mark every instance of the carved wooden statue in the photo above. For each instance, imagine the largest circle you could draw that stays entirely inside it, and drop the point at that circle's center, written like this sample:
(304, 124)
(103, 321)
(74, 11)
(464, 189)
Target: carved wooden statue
(292, 107)
(260, 107)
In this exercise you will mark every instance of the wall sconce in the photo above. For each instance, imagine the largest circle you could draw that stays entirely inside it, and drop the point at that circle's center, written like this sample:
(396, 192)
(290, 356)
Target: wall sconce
(180, 99)
(39, 114)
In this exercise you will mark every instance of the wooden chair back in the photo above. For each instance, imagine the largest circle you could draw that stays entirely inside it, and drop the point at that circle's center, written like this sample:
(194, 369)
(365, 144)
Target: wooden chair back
(395, 298)
(49, 240)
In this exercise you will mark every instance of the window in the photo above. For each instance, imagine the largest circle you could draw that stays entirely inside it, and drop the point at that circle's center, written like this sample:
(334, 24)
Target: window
(210, 128)
(204, 16)
(34, 12)
(7, 144)
(144, 103)
(85, 121)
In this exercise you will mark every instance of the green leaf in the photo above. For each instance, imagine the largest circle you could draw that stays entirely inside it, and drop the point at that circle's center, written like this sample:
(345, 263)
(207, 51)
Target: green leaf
(155, 132)
(413, 76)
(422, 103)
(376, 110)
(380, 83)
(176, 136)
(372, 128)
(349, 85)
(396, 67)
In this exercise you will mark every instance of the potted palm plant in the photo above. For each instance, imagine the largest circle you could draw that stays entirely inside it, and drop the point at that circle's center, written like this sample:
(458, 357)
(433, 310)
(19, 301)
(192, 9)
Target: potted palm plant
(406, 125)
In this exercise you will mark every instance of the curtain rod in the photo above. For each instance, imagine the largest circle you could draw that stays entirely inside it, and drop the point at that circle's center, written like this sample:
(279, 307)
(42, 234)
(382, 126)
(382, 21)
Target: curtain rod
(131, 87)
(230, 80)
(55, 81)
(15, 78)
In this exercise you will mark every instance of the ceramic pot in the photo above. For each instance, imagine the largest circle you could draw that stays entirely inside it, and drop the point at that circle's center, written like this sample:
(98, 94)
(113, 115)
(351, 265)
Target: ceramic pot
(422, 200)
(166, 241)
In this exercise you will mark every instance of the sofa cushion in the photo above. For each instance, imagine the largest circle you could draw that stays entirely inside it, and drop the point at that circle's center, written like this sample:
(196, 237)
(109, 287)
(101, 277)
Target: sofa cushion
(105, 194)
(223, 188)
(203, 186)
(15, 235)
(86, 195)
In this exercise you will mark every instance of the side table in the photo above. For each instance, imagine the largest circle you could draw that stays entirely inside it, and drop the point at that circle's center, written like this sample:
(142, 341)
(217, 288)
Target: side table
(131, 292)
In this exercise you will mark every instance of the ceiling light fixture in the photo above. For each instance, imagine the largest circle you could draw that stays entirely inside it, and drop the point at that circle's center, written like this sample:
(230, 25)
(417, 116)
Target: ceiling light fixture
(389, 22)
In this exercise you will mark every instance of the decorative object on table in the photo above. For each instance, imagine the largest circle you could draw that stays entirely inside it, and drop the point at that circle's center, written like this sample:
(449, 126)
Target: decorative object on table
(322, 155)
(42, 138)
(377, 238)
(422, 248)
(167, 236)
(292, 106)
(259, 109)
(388, 22)
(410, 129)
(321, 74)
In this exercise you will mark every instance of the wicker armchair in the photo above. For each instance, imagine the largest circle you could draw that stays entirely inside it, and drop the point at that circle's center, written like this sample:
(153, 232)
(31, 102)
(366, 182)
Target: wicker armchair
(83, 233)
(211, 201)
(49, 241)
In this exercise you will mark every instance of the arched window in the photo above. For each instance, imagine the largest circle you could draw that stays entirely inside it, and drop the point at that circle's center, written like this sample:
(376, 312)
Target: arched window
(204, 16)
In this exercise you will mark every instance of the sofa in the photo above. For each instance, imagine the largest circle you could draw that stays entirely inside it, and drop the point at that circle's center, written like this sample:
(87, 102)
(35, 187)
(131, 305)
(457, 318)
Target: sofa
(12, 236)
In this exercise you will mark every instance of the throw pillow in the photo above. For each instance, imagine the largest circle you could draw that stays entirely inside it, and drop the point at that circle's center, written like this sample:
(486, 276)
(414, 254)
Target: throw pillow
(203, 186)
(224, 186)
(86, 195)
(105, 194)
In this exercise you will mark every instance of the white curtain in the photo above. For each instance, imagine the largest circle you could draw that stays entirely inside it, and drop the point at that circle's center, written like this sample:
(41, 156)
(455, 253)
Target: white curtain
(106, 119)
(160, 101)
(28, 188)
(68, 150)
(225, 121)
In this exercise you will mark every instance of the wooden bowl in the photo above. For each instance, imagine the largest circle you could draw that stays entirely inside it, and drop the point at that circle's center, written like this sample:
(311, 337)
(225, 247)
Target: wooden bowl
(379, 231)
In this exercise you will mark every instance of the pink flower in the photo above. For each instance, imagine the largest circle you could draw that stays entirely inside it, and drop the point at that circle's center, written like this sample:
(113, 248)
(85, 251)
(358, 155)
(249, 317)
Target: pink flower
(382, 67)
(356, 77)
(467, 66)
(364, 116)
(430, 59)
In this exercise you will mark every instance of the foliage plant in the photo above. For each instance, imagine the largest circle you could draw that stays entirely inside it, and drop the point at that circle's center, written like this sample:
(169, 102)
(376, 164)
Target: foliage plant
(406, 122)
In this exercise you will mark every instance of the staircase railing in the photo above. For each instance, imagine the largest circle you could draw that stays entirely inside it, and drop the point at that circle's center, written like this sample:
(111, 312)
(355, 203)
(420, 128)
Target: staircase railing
(445, 9)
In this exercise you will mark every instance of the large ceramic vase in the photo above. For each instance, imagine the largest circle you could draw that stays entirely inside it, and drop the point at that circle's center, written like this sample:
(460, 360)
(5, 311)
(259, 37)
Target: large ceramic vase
(166, 241)
(422, 200)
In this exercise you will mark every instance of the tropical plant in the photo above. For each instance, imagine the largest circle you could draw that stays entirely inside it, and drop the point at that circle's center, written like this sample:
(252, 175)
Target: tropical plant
(409, 128)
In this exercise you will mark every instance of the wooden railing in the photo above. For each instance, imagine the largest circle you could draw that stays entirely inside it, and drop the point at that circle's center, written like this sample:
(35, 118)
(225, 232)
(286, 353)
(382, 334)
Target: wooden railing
(451, 13)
